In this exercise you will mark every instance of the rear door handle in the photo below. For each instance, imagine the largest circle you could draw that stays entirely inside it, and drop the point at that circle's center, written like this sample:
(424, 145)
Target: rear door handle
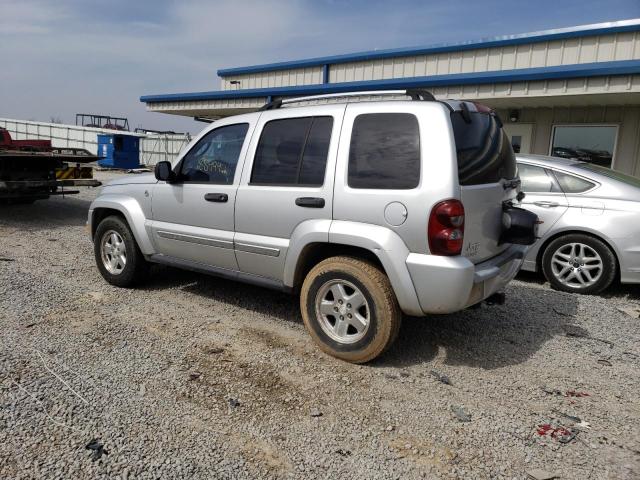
(310, 202)
(546, 204)
(216, 197)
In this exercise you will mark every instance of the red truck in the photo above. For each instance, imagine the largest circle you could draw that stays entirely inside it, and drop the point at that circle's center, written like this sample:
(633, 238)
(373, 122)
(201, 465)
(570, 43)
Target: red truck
(29, 169)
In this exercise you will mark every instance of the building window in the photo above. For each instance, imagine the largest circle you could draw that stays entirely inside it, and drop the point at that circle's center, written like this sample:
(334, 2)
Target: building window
(588, 143)
(385, 151)
(293, 151)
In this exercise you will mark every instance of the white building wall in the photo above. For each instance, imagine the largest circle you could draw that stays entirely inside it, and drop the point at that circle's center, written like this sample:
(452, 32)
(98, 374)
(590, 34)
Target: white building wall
(156, 148)
(153, 147)
(280, 78)
(602, 48)
(588, 49)
(626, 157)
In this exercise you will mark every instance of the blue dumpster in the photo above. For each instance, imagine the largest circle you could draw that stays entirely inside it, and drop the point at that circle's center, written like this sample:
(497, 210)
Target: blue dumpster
(118, 151)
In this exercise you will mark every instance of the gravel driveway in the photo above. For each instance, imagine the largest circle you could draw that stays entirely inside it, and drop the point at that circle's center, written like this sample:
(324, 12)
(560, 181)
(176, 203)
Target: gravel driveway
(197, 377)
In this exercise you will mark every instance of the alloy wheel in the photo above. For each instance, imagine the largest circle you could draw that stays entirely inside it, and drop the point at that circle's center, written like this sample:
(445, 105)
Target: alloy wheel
(113, 252)
(342, 311)
(576, 265)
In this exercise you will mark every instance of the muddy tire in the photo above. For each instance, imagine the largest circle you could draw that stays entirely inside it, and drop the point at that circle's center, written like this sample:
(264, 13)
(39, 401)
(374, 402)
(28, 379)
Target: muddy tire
(349, 309)
(117, 255)
(579, 263)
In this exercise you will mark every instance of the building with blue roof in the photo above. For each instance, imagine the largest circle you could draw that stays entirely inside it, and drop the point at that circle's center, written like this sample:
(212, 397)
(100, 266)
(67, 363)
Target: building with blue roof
(571, 92)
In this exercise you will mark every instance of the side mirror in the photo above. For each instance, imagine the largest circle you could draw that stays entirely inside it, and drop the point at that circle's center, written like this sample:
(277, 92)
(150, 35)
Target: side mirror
(164, 172)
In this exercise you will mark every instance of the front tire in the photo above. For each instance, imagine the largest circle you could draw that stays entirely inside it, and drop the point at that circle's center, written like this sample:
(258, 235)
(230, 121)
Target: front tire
(117, 255)
(349, 309)
(579, 263)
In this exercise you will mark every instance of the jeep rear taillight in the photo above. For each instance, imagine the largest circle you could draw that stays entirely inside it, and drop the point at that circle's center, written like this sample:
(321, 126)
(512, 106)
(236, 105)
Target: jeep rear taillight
(446, 228)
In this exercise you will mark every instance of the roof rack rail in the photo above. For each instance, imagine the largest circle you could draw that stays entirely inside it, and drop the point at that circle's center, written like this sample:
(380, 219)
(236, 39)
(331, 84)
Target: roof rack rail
(414, 93)
(420, 94)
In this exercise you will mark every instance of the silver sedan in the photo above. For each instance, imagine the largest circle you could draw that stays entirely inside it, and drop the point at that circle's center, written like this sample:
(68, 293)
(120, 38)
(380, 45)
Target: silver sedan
(590, 233)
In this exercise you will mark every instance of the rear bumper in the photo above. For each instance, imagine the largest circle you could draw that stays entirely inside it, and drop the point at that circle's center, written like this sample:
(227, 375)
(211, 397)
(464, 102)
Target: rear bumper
(450, 284)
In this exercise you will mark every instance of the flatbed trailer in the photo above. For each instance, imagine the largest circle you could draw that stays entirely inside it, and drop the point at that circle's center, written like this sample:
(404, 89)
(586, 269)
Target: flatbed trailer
(34, 170)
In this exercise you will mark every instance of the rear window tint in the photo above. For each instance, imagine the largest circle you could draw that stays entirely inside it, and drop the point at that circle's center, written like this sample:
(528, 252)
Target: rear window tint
(484, 152)
(293, 151)
(385, 151)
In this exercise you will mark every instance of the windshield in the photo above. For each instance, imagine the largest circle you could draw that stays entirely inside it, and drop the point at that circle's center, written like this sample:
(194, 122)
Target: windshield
(607, 172)
(483, 149)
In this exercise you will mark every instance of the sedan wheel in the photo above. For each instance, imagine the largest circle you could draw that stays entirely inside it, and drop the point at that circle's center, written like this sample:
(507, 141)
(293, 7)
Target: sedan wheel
(576, 265)
(579, 263)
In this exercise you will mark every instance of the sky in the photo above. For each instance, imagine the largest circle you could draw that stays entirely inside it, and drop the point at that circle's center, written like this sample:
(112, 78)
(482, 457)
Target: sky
(62, 57)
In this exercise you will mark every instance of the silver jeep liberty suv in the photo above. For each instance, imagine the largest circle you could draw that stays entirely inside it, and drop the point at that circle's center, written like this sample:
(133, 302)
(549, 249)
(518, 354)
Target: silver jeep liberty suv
(368, 205)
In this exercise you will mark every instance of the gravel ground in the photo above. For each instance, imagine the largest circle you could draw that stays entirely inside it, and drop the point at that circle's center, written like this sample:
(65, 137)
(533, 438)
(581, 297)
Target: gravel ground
(196, 377)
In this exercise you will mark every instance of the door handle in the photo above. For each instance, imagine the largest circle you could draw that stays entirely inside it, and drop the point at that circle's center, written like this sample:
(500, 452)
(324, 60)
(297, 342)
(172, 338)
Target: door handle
(546, 204)
(310, 202)
(216, 197)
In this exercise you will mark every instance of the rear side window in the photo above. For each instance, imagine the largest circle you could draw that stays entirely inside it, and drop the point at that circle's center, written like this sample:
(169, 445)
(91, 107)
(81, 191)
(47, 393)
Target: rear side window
(537, 179)
(484, 152)
(293, 151)
(385, 151)
(572, 184)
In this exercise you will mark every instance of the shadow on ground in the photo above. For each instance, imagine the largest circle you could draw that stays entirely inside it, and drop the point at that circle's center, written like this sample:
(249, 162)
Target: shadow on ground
(48, 214)
(488, 337)
(616, 290)
(491, 336)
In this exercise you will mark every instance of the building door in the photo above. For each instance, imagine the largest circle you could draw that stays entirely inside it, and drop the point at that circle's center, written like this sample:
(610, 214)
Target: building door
(521, 135)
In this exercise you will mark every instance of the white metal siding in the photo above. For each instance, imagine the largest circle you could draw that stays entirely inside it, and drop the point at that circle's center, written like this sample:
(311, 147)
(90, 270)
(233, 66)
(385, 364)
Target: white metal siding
(61, 135)
(203, 105)
(280, 78)
(588, 49)
(604, 48)
(499, 92)
(153, 147)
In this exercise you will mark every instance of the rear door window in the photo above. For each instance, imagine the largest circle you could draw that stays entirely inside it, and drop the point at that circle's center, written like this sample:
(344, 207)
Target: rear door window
(384, 151)
(293, 151)
(483, 149)
(537, 179)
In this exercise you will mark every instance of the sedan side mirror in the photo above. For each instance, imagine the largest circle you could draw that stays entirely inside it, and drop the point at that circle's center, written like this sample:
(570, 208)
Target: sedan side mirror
(164, 172)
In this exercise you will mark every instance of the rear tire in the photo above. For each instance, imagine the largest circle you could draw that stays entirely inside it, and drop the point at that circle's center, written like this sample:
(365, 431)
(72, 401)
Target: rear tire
(349, 309)
(579, 263)
(117, 255)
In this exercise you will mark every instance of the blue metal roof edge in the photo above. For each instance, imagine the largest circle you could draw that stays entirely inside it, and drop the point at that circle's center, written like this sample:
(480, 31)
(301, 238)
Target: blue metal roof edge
(620, 67)
(629, 25)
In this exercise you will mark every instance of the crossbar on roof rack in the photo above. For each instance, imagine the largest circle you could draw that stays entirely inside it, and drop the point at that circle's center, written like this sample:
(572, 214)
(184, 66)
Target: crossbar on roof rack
(413, 93)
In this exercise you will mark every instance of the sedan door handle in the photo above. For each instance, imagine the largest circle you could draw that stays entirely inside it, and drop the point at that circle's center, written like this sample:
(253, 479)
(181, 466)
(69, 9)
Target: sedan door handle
(310, 202)
(216, 197)
(546, 204)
